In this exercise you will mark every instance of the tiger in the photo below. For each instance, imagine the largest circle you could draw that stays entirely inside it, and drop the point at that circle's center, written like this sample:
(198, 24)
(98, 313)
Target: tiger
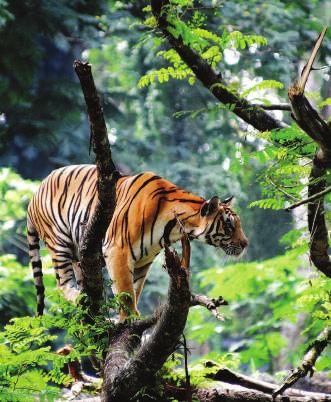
(150, 213)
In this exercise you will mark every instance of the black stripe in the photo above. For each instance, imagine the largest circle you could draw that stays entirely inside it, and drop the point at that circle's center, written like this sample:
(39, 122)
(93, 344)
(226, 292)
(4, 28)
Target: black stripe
(34, 246)
(131, 249)
(66, 281)
(162, 192)
(188, 200)
(155, 217)
(37, 274)
(79, 170)
(140, 277)
(36, 264)
(40, 289)
(66, 271)
(132, 183)
(153, 178)
(62, 266)
(142, 232)
(212, 225)
(167, 230)
(190, 216)
(126, 214)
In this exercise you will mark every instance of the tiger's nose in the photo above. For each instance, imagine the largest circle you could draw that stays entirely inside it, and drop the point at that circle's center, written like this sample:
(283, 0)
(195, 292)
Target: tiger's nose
(243, 243)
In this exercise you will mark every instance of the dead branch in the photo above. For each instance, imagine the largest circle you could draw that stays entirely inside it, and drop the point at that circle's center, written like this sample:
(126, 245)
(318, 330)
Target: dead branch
(309, 66)
(313, 124)
(210, 304)
(91, 243)
(305, 115)
(123, 377)
(314, 197)
(233, 393)
(251, 114)
(228, 376)
(308, 362)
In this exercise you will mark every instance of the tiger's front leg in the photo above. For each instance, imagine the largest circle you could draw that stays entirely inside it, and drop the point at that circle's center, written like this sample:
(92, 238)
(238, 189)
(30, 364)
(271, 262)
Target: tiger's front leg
(121, 269)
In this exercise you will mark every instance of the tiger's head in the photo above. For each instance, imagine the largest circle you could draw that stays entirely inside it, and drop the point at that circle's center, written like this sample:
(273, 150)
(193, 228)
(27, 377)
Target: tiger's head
(219, 226)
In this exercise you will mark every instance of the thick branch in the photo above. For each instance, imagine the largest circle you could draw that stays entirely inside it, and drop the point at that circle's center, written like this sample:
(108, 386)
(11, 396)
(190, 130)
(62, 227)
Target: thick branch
(308, 362)
(319, 236)
(251, 114)
(313, 124)
(91, 243)
(141, 369)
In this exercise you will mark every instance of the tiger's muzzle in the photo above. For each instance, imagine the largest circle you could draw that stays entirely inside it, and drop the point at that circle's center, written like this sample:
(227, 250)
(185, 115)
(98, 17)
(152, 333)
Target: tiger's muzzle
(235, 249)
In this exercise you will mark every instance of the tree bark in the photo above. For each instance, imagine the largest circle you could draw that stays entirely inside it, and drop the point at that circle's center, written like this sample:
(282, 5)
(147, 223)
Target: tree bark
(123, 378)
(314, 125)
(91, 259)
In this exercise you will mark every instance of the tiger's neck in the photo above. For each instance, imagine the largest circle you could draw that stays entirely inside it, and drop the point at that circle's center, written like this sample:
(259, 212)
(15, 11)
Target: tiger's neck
(184, 215)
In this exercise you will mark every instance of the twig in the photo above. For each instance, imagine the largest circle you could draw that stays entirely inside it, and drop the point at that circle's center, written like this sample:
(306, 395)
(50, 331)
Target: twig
(279, 188)
(314, 197)
(210, 304)
(309, 66)
(308, 362)
(187, 375)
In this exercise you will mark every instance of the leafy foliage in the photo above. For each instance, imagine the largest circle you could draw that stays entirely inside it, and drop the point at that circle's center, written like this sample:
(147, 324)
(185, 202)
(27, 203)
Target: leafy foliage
(28, 363)
(15, 194)
(263, 297)
(24, 359)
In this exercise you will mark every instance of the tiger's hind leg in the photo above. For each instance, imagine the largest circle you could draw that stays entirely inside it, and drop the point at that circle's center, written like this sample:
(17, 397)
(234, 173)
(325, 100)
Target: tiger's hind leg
(64, 271)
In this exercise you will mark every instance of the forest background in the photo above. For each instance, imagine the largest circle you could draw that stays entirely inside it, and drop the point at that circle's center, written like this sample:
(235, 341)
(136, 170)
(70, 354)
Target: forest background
(163, 120)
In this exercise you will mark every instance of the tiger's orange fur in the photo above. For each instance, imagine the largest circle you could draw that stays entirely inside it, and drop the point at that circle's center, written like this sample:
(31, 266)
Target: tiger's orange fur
(144, 221)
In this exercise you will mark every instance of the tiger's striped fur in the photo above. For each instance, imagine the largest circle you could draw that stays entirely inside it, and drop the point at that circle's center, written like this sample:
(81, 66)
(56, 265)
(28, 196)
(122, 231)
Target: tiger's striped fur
(145, 219)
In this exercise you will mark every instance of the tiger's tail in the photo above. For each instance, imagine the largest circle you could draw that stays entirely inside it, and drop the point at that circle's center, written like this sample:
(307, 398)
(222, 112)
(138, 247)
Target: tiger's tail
(33, 242)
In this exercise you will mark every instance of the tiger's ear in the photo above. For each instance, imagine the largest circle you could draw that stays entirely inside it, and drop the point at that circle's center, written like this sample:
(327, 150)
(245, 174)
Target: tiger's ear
(210, 206)
(229, 201)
